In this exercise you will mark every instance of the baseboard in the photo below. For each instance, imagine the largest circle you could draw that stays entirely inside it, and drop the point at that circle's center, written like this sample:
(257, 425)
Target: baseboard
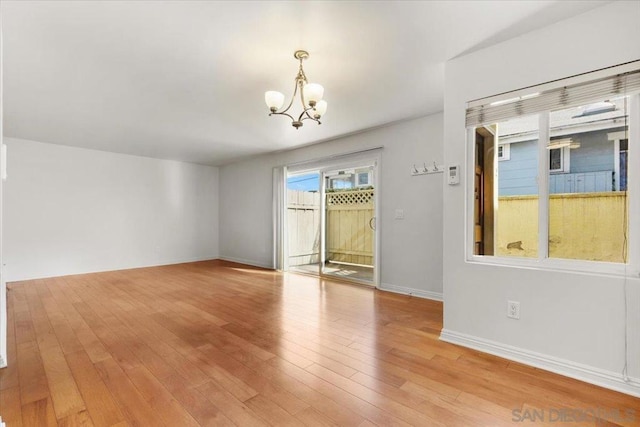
(246, 262)
(436, 296)
(588, 374)
(20, 278)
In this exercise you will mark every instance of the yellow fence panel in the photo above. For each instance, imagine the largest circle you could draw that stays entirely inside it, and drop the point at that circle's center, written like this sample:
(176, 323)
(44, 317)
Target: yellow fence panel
(303, 227)
(587, 226)
(349, 231)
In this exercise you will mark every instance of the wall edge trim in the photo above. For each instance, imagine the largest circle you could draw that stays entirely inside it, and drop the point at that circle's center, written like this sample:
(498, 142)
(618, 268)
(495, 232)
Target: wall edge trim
(247, 262)
(589, 374)
(436, 296)
(117, 268)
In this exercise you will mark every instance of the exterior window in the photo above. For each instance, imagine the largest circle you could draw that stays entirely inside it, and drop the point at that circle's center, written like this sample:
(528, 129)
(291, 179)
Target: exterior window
(560, 154)
(363, 179)
(504, 152)
(340, 183)
(348, 179)
(555, 160)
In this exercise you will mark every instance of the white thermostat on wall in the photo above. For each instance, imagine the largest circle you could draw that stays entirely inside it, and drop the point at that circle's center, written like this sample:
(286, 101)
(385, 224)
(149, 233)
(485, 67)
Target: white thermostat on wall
(453, 174)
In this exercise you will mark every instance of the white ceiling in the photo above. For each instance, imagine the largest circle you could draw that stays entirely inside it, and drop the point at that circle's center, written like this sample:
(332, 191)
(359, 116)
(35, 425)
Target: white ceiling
(185, 80)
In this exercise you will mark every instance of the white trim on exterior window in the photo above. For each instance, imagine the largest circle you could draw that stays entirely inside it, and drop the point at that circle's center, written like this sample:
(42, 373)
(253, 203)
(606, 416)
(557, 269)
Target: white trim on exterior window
(366, 183)
(565, 160)
(504, 152)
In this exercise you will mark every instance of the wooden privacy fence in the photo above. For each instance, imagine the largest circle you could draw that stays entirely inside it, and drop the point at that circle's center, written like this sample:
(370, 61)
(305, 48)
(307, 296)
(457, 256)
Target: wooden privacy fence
(589, 226)
(349, 234)
(303, 222)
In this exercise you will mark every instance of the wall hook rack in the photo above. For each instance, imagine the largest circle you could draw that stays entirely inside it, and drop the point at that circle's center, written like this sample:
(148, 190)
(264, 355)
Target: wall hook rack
(425, 170)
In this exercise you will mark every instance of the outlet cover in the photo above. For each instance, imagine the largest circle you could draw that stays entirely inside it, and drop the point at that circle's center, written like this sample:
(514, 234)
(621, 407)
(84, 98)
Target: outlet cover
(513, 309)
(399, 214)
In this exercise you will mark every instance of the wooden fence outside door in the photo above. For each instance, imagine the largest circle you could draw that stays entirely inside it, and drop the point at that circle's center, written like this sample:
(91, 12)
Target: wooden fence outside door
(303, 227)
(350, 226)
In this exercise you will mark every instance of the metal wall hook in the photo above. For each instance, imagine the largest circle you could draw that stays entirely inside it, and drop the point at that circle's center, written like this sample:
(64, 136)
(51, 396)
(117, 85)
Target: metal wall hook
(427, 170)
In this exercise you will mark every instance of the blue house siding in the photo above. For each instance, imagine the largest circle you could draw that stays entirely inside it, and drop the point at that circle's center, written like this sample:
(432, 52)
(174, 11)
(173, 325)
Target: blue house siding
(583, 182)
(517, 176)
(591, 167)
(595, 153)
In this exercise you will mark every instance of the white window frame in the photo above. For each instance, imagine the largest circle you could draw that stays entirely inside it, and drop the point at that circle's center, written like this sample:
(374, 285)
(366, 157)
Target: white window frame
(343, 178)
(565, 160)
(357, 180)
(543, 262)
(506, 152)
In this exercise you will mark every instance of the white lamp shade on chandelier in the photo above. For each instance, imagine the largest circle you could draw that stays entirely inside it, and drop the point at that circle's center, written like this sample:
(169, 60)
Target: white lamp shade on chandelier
(311, 94)
(274, 99)
(321, 108)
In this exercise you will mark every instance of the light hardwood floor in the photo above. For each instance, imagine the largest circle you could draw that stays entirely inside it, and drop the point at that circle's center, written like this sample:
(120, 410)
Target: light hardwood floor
(217, 343)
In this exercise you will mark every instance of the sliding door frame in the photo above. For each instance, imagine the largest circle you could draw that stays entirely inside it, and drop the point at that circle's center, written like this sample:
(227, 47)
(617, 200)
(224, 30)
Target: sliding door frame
(371, 157)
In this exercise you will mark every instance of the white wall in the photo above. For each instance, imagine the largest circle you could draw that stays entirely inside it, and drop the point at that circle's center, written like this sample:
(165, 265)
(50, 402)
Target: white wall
(3, 284)
(411, 251)
(69, 210)
(570, 322)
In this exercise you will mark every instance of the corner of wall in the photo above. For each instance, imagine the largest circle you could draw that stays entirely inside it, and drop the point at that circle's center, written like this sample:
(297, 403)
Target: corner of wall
(435, 296)
(589, 374)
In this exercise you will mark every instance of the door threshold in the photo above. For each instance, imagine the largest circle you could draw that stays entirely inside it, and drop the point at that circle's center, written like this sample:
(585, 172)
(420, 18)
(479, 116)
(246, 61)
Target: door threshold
(336, 278)
(350, 263)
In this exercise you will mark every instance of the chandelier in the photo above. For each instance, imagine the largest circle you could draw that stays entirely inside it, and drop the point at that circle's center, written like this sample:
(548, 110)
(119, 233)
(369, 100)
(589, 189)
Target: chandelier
(313, 107)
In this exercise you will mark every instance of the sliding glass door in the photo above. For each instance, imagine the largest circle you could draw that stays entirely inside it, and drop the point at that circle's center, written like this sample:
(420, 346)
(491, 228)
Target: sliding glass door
(329, 225)
(348, 223)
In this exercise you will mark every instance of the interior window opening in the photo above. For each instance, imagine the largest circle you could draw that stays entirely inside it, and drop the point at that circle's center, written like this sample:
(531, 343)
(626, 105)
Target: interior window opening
(586, 166)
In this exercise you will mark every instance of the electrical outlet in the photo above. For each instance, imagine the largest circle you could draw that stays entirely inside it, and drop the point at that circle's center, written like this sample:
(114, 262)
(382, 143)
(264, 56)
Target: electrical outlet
(513, 309)
(399, 214)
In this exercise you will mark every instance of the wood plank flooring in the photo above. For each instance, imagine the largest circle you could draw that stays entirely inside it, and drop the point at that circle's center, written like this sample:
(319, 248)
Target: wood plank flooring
(217, 343)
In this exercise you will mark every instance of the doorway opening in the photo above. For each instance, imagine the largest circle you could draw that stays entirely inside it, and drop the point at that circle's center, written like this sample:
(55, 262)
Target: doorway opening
(483, 192)
(330, 221)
